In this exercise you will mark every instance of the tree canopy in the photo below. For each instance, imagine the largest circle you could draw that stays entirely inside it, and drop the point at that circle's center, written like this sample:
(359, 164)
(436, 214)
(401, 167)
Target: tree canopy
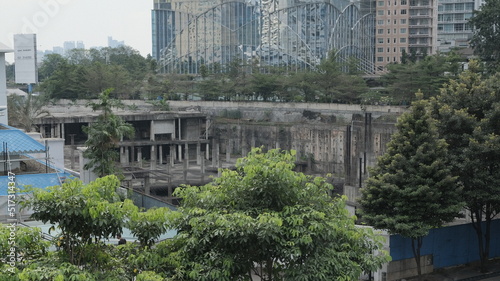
(23, 110)
(410, 190)
(265, 219)
(86, 73)
(468, 113)
(486, 38)
(104, 135)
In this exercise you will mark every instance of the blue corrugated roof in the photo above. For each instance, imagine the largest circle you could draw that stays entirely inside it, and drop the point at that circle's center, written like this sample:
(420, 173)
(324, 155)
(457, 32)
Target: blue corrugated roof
(18, 142)
(34, 180)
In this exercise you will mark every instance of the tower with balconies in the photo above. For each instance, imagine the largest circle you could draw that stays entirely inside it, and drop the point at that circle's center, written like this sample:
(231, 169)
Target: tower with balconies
(404, 27)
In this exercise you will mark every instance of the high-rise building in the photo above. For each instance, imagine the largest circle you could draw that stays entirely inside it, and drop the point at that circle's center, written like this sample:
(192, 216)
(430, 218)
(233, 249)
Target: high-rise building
(290, 33)
(80, 45)
(68, 46)
(405, 27)
(112, 43)
(453, 28)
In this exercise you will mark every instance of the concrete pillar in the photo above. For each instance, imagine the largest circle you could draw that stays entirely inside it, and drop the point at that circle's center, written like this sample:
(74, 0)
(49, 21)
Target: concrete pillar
(86, 176)
(179, 152)
(62, 130)
(127, 155)
(139, 156)
(132, 155)
(228, 151)
(147, 185)
(253, 141)
(152, 130)
(184, 170)
(217, 155)
(42, 130)
(160, 153)
(214, 159)
(179, 129)
(152, 164)
(207, 125)
(202, 170)
(207, 151)
(198, 153)
(123, 157)
(186, 154)
(72, 151)
(172, 155)
(219, 163)
(244, 151)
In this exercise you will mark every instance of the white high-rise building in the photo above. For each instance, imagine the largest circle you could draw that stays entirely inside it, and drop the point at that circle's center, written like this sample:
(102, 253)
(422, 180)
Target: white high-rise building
(454, 30)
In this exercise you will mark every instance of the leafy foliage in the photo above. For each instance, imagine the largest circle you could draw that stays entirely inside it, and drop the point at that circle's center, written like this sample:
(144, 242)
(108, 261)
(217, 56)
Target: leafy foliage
(148, 226)
(81, 212)
(86, 216)
(410, 190)
(264, 213)
(486, 38)
(427, 75)
(24, 110)
(468, 115)
(86, 73)
(103, 137)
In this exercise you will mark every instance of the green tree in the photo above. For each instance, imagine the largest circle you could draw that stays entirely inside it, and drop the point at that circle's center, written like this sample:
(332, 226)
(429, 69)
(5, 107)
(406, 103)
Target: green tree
(103, 137)
(486, 38)
(265, 214)
(49, 65)
(410, 190)
(265, 86)
(83, 213)
(23, 111)
(335, 85)
(468, 113)
(148, 226)
(428, 75)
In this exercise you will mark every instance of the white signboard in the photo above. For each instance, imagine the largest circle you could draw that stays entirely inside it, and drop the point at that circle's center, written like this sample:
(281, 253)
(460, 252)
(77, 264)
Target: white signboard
(25, 58)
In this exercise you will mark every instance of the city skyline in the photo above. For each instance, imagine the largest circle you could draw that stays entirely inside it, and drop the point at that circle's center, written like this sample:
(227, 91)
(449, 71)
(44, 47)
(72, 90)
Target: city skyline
(92, 21)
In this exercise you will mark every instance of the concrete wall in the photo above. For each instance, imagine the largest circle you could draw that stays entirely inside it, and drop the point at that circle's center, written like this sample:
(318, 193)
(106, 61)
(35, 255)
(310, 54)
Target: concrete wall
(345, 150)
(284, 112)
(397, 270)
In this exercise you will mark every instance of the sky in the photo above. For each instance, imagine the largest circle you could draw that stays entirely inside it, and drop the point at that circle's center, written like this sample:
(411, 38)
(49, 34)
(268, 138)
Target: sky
(90, 21)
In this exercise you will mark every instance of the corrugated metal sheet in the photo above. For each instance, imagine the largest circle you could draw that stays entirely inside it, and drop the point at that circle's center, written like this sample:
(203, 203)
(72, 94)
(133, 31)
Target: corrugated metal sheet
(33, 180)
(18, 142)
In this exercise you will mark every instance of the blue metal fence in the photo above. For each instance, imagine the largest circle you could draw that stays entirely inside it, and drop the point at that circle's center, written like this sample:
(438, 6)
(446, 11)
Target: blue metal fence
(450, 246)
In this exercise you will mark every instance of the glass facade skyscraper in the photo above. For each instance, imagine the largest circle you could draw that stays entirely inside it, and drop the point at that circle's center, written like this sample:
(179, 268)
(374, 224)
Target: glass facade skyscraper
(294, 34)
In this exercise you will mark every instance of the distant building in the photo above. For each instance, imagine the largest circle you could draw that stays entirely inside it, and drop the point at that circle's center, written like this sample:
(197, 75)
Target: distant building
(58, 50)
(114, 43)
(405, 26)
(80, 45)
(454, 31)
(3, 84)
(68, 46)
(295, 34)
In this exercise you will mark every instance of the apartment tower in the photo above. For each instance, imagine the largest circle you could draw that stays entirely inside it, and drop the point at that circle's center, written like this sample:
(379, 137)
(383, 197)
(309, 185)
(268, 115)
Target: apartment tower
(404, 27)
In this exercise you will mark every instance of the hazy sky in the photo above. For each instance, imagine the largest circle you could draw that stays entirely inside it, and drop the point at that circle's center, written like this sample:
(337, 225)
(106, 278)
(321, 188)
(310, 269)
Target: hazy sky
(90, 21)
